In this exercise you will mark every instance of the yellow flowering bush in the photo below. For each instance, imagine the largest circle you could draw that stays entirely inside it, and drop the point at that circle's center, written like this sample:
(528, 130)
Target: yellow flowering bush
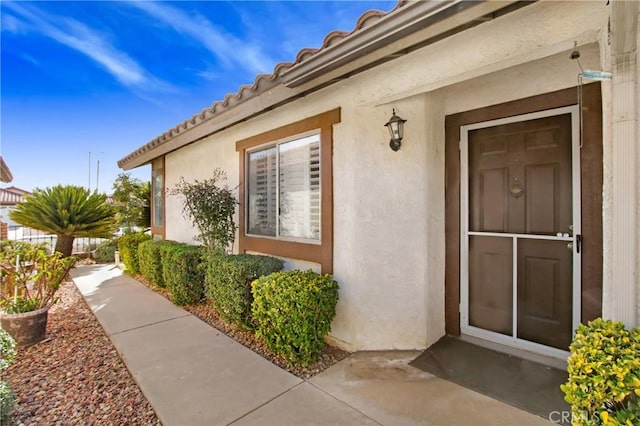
(604, 375)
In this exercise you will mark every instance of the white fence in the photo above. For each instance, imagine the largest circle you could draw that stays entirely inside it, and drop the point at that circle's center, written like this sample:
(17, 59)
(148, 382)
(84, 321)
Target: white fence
(33, 236)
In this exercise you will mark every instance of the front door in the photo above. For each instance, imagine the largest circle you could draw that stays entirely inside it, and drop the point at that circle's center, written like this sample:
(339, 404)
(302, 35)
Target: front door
(520, 230)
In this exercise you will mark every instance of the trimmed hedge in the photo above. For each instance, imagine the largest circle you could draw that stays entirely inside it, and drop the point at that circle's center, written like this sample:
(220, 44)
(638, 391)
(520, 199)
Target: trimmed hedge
(183, 272)
(106, 251)
(604, 374)
(229, 280)
(128, 247)
(146, 257)
(150, 255)
(293, 311)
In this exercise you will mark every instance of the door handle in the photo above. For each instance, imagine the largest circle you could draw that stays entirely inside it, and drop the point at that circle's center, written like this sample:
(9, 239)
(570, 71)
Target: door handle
(578, 243)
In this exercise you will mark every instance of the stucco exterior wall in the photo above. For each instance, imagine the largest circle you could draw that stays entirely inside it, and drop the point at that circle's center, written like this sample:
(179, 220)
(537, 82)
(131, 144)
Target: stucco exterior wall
(196, 162)
(389, 206)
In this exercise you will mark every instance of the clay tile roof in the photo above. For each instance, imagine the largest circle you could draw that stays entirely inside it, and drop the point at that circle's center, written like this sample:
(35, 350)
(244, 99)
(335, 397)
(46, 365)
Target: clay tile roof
(11, 196)
(262, 83)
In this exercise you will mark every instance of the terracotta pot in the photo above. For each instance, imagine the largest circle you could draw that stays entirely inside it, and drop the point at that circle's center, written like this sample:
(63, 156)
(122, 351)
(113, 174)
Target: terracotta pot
(26, 328)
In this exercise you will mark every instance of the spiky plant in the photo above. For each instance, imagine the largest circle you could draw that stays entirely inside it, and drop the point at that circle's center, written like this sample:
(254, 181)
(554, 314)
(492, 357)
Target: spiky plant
(67, 211)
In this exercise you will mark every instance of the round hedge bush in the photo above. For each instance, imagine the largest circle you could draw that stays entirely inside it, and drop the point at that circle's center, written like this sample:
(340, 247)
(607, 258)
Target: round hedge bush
(292, 311)
(604, 374)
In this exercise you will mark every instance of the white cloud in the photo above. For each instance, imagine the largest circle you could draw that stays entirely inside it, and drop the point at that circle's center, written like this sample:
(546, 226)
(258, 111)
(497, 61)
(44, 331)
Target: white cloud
(210, 75)
(30, 59)
(92, 44)
(228, 49)
(12, 24)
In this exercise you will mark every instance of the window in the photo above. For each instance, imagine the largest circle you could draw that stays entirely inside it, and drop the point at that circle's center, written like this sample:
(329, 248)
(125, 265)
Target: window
(157, 198)
(284, 190)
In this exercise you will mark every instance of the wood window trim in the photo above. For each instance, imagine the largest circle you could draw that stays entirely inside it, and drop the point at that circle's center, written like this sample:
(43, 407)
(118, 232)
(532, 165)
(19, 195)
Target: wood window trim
(319, 253)
(157, 168)
(591, 181)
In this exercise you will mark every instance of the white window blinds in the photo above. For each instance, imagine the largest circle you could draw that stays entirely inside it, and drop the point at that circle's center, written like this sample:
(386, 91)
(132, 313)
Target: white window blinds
(262, 192)
(296, 191)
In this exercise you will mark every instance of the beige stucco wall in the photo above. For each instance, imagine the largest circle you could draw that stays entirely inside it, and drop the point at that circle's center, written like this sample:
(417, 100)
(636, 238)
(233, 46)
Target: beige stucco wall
(622, 168)
(389, 206)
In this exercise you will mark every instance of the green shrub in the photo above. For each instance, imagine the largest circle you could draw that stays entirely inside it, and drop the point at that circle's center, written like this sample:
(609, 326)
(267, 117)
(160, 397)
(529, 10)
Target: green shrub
(150, 254)
(183, 272)
(148, 261)
(7, 349)
(7, 397)
(604, 375)
(106, 251)
(210, 205)
(128, 247)
(293, 311)
(229, 280)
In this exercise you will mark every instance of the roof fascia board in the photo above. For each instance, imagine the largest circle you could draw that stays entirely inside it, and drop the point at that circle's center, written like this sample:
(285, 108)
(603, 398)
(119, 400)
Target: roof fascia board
(401, 46)
(241, 112)
(397, 24)
(359, 60)
(5, 173)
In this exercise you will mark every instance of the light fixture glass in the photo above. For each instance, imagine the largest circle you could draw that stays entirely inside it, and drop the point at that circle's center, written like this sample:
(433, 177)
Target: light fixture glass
(396, 130)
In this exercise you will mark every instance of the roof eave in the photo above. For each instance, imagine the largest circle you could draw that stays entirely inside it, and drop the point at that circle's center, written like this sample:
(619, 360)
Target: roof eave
(392, 27)
(5, 173)
(401, 30)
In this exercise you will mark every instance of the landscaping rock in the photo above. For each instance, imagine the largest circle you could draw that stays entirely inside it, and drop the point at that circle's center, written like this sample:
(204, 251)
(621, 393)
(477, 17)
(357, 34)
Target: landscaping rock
(75, 376)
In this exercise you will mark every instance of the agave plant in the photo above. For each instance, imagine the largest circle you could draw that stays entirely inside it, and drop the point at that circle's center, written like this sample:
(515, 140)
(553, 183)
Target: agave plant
(67, 211)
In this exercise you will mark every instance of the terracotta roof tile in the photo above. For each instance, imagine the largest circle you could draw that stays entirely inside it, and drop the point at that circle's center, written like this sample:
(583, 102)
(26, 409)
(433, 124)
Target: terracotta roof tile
(11, 196)
(262, 82)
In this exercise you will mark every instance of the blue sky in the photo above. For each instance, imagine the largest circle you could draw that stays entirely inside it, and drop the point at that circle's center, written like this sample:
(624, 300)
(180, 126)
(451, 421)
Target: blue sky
(107, 77)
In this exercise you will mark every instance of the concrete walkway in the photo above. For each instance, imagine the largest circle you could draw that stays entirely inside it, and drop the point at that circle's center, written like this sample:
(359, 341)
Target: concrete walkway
(192, 374)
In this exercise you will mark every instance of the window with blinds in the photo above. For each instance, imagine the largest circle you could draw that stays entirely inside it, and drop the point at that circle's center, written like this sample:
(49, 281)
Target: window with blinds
(284, 190)
(158, 199)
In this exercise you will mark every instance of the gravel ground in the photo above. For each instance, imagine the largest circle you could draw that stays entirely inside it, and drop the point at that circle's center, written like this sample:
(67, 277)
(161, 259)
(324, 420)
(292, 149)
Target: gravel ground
(75, 376)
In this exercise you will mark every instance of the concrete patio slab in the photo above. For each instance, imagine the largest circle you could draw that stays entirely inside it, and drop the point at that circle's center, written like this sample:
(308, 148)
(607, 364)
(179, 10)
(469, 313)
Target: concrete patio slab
(193, 374)
(305, 405)
(382, 386)
(120, 302)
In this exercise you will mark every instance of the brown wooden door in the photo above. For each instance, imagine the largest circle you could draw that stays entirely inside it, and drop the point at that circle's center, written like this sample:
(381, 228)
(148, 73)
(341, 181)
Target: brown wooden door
(520, 198)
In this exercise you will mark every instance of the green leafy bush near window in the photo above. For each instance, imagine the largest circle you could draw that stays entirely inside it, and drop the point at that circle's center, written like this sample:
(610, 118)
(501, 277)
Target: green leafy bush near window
(183, 272)
(150, 254)
(604, 375)
(210, 205)
(7, 397)
(229, 280)
(128, 248)
(293, 311)
(106, 251)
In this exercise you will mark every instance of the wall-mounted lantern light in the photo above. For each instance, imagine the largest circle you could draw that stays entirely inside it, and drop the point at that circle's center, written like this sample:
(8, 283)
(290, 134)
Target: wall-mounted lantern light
(396, 129)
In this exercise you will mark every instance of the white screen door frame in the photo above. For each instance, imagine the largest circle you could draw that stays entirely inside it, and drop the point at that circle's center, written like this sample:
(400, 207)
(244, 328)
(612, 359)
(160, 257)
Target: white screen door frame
(465, 232)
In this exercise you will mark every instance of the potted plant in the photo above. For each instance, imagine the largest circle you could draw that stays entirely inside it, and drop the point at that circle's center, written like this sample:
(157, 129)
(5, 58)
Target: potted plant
(29, 280)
